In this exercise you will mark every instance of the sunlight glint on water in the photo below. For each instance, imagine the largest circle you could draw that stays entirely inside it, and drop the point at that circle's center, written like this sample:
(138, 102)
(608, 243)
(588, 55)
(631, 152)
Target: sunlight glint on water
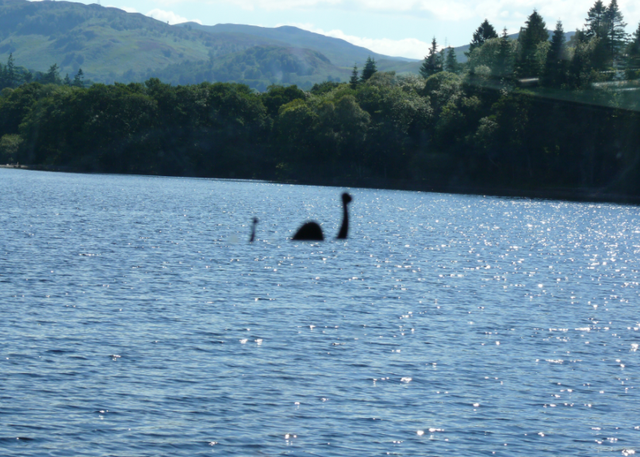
(137, 320)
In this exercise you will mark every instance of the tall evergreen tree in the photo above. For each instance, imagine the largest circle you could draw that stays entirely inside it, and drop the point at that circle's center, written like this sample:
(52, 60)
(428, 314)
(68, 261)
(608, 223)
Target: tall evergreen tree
(616, 36)
(581, 64)
(595, 29)
(451, 62)
(595, 25)
(530, 37)
(432, 63)
(504, 59)
(369, 69)
(353, 82)
(78, 80)
(483, 33)
(633, 54)
(52, 76)
(555, 67)
(10, 71)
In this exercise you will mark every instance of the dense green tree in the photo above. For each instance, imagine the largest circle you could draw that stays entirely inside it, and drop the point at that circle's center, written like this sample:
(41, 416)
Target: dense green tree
(52, 76)
(505, 56)
(276, 96)
(451, 61)
(483, 33)
(369, 69)
(432, 63)
(496, 55)
(78, 80)
(9, 146)
(616, 37)
(596, 21)
(581, 67)
(633, 55)
(324, 87)
(531, 36)
(10, 78)
(555, 68)
(353, 82)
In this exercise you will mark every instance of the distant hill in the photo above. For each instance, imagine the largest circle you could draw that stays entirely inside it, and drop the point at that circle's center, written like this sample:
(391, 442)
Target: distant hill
(340, 52)
(112, 45)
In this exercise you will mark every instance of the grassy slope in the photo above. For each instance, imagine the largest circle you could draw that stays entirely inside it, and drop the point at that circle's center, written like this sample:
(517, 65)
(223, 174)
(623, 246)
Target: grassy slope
(108, 43)
(340, 52)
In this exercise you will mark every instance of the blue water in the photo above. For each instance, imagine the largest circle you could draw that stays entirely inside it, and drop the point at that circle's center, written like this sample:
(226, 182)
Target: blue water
(136, 319)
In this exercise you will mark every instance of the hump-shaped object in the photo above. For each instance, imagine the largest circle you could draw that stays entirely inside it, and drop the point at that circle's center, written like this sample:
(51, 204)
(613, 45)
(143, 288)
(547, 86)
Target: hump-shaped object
(310, 231)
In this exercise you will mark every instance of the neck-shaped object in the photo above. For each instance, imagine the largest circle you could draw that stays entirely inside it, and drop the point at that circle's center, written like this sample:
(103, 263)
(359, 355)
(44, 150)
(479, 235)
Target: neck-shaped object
(344, 230)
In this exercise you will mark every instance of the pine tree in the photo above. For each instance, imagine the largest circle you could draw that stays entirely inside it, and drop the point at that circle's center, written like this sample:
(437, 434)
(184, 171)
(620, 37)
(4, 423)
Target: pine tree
(368, 70)
(554, 74)
(616, 37)
(10, 73)
(483, 33)
(633, 52)
(595, 25)
(451, 62)
(353, 82)
(52, 76)
(504, 59)
(432, 63)
(78, 80)
(581, 65)
(530, 36)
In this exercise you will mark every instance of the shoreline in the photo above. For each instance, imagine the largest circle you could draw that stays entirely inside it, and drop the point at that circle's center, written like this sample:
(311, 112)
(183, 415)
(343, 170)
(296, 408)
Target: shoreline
(583, 195)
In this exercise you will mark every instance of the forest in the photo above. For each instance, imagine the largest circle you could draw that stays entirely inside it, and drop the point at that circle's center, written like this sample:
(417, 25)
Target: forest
(536, 116)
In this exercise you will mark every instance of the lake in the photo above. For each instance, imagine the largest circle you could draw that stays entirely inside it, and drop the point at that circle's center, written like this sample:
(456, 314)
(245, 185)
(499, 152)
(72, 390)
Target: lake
(136, 319)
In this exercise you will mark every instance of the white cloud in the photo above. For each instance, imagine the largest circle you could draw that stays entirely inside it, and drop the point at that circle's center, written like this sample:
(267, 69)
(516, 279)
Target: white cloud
(169, 17)
(408, 47)
(509, 13)
(127, 9)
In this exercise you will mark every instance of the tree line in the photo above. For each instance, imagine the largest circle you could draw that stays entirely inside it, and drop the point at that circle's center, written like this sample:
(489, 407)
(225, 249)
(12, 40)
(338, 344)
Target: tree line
(474, 128)
(14, 76)
(598, 52)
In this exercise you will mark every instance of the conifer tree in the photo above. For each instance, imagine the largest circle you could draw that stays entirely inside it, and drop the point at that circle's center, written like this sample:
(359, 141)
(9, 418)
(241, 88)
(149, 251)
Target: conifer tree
(616, 37)
(451, 62)
(432, 63)
(78, 80)
(483, 33)
(633, 53)
(504, 59)
(10, 72)
(555, 67)
(353, 82)
(52, 76)
(530, 36)
(369, 69)
(595, 25)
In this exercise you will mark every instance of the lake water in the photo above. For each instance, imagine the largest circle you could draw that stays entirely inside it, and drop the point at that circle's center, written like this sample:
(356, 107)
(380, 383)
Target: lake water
(136, 319)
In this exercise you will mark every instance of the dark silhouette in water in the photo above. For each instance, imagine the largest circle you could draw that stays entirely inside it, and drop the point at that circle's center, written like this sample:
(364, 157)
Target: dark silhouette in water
(253, 230)
(311, 231)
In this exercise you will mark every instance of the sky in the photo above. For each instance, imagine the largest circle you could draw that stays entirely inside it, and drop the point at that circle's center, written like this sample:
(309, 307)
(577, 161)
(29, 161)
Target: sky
(392, 27)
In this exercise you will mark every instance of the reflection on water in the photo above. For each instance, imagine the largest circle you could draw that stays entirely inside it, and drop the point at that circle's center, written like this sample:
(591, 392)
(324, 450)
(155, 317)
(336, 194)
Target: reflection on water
(138, 320)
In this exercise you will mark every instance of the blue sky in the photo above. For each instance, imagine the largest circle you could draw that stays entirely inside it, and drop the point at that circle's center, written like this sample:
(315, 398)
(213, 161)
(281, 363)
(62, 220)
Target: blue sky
(393, 27)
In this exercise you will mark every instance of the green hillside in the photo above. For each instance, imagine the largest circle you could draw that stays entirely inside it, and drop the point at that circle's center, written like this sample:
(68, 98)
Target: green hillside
(340, 52)
(112, 45)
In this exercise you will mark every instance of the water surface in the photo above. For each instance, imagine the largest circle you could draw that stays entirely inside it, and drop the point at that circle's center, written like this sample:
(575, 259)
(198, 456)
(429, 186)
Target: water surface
(136, 319)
